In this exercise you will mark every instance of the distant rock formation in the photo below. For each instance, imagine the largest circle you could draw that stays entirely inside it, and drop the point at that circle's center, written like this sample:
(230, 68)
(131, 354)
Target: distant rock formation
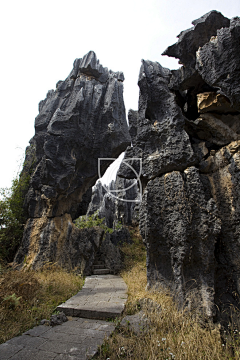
(186, 131)
(82, 120)
(118, 206)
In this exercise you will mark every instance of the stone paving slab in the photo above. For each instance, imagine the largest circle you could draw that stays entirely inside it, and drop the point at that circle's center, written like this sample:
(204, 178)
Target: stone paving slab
(77, 339)
(101, 297)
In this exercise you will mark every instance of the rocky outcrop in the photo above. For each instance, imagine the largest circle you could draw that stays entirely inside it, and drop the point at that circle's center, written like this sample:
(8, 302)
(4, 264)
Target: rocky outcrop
(119, 205)
(98, 192)
(191, 39)
(181, 235)
(79, 122)
(161, 141)
(186, 131)
(111, 255)
(218, 62)
(57, 240)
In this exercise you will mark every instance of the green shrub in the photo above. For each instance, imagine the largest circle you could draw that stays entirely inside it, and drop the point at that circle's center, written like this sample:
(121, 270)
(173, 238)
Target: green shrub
(12, 217)
(11, 301)
(90, 221)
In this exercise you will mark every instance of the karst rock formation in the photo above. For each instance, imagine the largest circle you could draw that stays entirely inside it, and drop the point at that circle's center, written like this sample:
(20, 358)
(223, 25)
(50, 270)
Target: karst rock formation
(187, 133)
(82, 120)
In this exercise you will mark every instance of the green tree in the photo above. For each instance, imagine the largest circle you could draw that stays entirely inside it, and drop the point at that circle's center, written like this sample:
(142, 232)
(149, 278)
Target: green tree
(12, 217)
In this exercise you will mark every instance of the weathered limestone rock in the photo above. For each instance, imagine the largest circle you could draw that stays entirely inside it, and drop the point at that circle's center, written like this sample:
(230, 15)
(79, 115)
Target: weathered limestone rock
(98, 193)
(191, 39)
(82, 120)
(224, 178)
(188, 77)
(137, 323)
(111, 255)
(180, 235)
(212, 129)
(117, 206)
(216, 123)
(107, 210)
(126, 209)
(200, 149)
(213, 102)
(161, 141)
(91, 107)
(187, 136)
(218, 62)
(58, 240)
(188, 44)
(120, 236)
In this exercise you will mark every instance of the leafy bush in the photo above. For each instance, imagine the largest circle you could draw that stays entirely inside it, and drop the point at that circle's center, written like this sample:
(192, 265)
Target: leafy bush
(11, 301)
(90, 221)
(12, 217)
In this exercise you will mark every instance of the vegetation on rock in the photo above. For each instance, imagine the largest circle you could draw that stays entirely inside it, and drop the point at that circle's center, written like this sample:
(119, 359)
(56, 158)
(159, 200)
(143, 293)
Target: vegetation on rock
(93, 220)
(12, 217)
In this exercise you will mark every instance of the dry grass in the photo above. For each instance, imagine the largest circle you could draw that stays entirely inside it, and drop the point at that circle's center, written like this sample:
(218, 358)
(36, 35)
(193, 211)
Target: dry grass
(173, 334)
(37, 294)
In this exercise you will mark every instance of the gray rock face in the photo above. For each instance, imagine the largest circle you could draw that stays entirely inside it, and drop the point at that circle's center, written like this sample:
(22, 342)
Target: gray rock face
(223, 171)
(137, 323)
(126, 209)
(186, 131)
(111, 207)
(161, 141)
(58, 240)
(98, 193)
(107, 210)
(120, 236)
(81, 121)
(218, 62)
(111, 255)
(190, 40)
(91, 107)
(185, 49)
(180, 235)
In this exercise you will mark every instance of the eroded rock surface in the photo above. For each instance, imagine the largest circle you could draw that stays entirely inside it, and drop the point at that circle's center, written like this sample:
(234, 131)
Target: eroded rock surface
(82, 120)
(161, 141)
(57, 240)
(218, 62)
(186, 132)
(180, 235)
(119, 205)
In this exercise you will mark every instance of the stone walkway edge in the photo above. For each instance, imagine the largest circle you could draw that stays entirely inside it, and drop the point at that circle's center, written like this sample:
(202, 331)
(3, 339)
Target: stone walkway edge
(102, 297)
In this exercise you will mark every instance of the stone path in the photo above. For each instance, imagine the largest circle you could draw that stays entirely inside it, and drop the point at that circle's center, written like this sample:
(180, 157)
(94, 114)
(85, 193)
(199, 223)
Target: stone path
(101, 297)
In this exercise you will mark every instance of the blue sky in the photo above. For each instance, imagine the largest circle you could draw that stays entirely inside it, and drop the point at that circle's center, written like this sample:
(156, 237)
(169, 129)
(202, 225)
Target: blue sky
(41, 39)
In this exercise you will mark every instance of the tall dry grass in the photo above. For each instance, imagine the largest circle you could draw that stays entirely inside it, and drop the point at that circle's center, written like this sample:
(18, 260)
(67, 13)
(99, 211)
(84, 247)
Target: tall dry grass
(28, 297)
(173, 334)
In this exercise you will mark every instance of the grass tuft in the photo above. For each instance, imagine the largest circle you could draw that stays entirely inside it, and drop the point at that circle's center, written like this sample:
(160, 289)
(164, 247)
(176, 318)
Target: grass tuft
(173, 334)
(28, 297)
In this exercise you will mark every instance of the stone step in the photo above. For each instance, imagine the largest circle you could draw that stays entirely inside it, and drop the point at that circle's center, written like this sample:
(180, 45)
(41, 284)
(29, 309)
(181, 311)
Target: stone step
(99, 266)
(101, 297)
(100, 271)
(98, 263)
